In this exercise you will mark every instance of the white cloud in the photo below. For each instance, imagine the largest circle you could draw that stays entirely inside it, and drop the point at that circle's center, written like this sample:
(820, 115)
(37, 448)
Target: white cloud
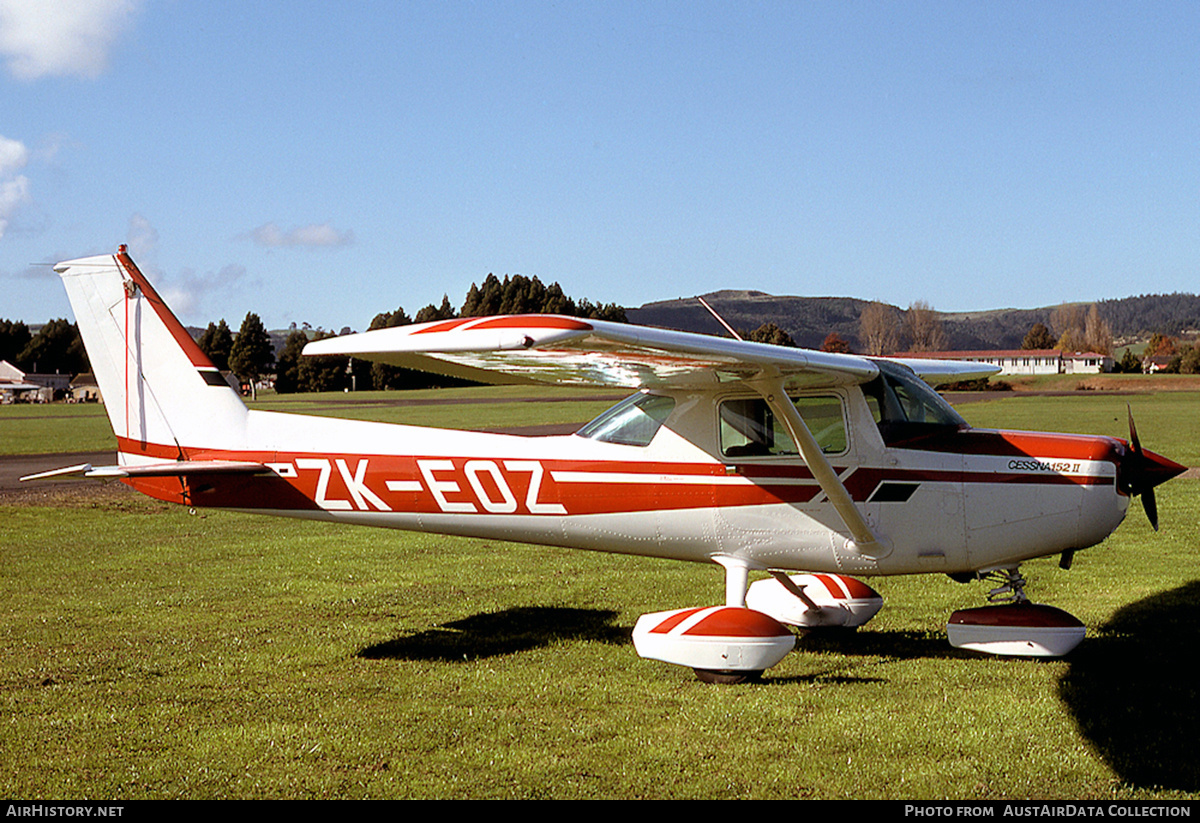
(186, 293)
(14, 188)
(43, 38)
(13, 156)
(311, 236)
(142, 237)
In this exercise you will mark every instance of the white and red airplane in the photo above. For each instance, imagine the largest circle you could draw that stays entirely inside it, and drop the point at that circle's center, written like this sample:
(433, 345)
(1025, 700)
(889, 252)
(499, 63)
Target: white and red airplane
(750, 456)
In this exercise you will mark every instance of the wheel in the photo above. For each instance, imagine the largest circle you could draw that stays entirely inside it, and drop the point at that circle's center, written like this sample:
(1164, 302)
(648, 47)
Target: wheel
(726, 677)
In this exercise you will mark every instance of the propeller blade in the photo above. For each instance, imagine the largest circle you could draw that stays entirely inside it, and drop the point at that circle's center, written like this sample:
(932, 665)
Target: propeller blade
(1144, 470)
(1151, 507)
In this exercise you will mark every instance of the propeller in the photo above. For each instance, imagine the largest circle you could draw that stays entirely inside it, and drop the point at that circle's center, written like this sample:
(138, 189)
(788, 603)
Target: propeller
(1143, 470)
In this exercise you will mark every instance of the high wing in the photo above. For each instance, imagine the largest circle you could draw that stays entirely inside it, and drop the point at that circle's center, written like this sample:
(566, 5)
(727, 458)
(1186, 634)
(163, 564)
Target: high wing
(546, 348)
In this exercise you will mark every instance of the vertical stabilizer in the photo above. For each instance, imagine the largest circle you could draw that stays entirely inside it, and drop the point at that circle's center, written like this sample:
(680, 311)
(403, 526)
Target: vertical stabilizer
(163, 395)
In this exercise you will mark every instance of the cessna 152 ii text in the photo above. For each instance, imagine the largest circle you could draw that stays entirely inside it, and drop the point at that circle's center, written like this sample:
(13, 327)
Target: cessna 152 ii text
(750, 456)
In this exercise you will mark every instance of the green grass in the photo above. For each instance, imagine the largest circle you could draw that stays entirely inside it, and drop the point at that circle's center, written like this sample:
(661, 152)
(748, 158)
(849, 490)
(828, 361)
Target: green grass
(54, 428)
(150, 653)
(58, 428)
(1106, 382)
(475, 407)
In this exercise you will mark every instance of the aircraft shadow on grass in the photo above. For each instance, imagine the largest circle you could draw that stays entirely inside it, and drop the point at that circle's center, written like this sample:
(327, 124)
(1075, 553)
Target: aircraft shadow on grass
(900, 645)
(1133, 689)
(525, 628)
(503, 632)
(1130, 688)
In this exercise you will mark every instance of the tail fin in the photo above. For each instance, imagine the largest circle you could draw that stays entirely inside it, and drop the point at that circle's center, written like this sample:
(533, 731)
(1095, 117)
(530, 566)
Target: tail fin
(163, 395)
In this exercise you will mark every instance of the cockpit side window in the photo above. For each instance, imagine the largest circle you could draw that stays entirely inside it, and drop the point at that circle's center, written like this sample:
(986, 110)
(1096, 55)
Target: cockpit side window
(750, 429)
(906, 407)
(632, 422)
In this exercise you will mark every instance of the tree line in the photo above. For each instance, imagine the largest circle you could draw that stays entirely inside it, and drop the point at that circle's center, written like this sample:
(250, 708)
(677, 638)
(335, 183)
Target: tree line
(55, 349)
(250, 354)
(1180, 357)
(882, 329)
(515, 294)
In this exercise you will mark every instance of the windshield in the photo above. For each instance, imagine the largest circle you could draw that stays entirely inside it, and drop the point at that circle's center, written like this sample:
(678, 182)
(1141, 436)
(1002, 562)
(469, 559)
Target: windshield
(905, 406)
(632, 422)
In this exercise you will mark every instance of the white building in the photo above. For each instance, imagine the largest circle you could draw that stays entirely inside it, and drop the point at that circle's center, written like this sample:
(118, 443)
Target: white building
(1028, 361)
(15, 383)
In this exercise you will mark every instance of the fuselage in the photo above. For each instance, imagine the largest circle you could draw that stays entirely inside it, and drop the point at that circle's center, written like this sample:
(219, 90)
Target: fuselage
(685, 475)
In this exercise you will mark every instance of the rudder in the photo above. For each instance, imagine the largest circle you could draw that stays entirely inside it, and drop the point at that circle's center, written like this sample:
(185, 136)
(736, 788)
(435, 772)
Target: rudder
(164, 397)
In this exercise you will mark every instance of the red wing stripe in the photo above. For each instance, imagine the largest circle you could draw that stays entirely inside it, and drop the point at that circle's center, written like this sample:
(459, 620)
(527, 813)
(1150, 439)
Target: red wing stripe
(445, 326)
(514, 321)
(532, 321)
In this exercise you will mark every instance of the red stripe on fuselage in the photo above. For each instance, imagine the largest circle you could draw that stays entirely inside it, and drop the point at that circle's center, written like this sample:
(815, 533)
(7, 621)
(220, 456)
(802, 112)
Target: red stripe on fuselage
(1047, 445)
(523, 486)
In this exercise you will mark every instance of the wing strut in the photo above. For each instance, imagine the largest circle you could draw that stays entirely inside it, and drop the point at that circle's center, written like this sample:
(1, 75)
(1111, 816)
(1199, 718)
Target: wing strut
(771, 387)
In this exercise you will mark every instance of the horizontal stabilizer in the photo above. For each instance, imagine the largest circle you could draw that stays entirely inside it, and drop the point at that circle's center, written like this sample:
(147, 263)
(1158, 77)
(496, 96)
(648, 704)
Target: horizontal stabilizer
(935, 372)
(175, 468)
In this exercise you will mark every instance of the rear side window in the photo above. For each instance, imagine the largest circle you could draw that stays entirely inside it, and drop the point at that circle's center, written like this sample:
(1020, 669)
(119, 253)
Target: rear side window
(750, 429)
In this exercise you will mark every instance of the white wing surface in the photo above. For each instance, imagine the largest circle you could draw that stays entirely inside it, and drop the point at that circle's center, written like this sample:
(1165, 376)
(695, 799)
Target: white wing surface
(546, 348)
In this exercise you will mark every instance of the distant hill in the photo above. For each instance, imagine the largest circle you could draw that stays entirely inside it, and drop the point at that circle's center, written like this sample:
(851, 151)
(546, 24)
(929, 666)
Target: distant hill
(809, 319)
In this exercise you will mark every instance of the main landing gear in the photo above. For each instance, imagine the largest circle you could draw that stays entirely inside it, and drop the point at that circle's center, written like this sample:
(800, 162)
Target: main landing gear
(736, 642)
(1012, 625)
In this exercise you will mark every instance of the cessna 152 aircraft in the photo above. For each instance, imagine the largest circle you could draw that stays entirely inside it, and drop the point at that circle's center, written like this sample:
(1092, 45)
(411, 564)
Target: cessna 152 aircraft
(750, 456)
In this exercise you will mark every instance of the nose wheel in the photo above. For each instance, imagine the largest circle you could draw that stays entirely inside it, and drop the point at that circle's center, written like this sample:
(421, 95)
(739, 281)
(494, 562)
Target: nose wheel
(1010, 588)
(726, 677)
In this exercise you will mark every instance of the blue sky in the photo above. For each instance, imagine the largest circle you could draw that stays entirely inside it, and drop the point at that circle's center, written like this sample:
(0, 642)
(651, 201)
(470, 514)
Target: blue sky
(321, 162)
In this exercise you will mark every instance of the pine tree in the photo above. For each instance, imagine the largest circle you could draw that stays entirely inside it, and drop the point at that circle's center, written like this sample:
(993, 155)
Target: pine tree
(770, 333)
(1038, 337)
(251, 356)
(319, 374)
(384, 376)
(14, 337)
(287, 373)
(57, 347)
(216, 342)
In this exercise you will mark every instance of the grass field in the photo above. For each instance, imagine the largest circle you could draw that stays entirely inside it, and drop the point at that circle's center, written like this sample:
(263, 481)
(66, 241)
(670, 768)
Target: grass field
(55, 428)
(151, 653)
